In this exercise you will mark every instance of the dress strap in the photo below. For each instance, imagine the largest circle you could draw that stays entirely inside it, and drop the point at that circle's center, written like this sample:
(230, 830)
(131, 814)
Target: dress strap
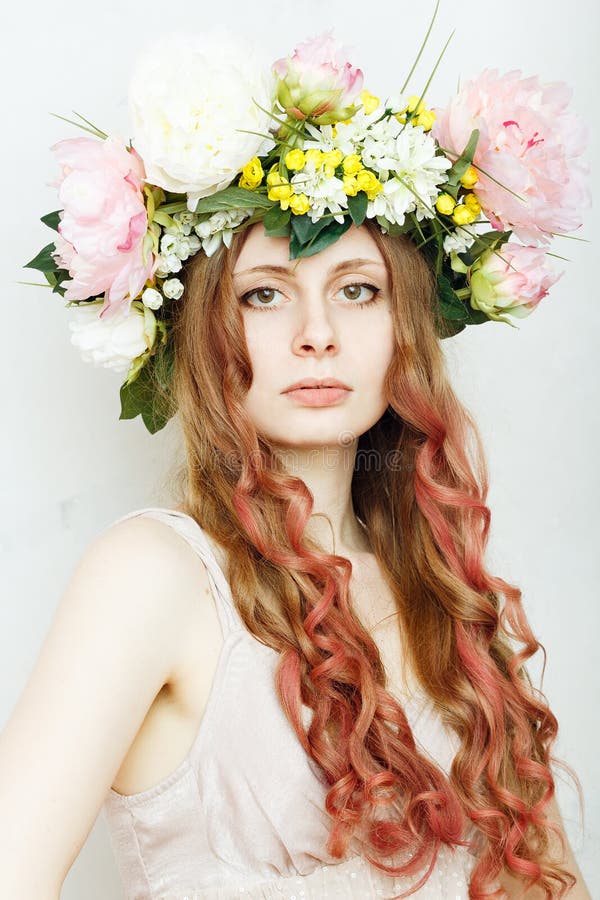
(193, 533)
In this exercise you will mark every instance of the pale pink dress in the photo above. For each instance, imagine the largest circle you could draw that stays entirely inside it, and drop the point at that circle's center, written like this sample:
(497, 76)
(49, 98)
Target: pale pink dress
(243, 815)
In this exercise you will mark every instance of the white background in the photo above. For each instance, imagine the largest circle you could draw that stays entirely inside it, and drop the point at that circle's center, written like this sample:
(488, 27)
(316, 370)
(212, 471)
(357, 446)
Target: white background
(69, 467)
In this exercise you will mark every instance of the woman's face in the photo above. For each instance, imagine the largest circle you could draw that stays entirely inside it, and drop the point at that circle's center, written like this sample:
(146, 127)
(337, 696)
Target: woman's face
(328, 319)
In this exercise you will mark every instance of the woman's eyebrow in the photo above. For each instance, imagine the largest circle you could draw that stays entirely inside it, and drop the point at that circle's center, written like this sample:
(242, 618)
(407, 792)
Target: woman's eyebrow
(339, 267)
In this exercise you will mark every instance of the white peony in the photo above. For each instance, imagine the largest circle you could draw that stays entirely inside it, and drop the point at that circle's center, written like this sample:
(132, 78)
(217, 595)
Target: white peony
(190, 98)
(112, 342)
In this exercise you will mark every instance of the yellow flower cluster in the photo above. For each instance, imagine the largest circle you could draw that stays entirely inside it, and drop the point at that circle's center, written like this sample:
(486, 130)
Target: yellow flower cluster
(355, 177)
(462, 213)
(420, 114)
(280, 189)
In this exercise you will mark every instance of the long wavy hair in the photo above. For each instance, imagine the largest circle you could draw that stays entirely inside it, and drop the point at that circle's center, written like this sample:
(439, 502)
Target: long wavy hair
(428, 524)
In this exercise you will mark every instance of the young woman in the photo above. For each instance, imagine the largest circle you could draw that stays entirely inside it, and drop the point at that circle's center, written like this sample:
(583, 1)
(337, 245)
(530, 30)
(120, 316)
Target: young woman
(302, 681)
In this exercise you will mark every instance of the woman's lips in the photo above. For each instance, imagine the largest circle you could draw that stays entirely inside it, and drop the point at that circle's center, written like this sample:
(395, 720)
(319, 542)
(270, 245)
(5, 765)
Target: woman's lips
(321, 396)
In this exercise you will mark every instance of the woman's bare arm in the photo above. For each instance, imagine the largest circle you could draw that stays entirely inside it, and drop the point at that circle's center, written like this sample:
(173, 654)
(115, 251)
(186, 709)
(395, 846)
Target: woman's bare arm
(112, 645)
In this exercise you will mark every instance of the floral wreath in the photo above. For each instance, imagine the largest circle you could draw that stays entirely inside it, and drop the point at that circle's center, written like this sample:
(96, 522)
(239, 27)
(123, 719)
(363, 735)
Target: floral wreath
(223, 141)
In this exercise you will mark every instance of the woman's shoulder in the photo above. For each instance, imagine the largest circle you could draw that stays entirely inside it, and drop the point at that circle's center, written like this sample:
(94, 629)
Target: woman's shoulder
(160, 530)
(151, 547)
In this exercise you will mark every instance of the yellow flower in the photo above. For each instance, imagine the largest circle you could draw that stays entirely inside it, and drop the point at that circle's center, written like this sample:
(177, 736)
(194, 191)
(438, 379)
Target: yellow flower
(426, 119)
(281, 192)
(295, 160)
(352, 164)
(314, 156)
(470, 178)
(412, 105)
(462, 215)
(369, 101)
(420, 114)
(299, 204)
(333, 158)
(472, 203)
(368, 183)
(445, 204)
(350, 186)
(274, 178)
(252, 174)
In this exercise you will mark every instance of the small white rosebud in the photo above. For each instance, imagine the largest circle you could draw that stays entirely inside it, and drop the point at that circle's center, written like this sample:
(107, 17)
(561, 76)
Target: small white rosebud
(183, 247)
(203, 229)
(168, 242)
(173, 288)
(194, 243)
(172, 263)
(152, 298)
(161, 269)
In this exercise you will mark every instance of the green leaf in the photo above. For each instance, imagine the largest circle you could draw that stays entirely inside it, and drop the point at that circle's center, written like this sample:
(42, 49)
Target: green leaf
(358, 208)
(305, 229)
(149, 393)
(52, 219)
(455, 309)
(323, 239)
(44, 261)
(55, 280)
(446, 328)
(463, 162)
(277, 221)
(233, 197)
(489, 240)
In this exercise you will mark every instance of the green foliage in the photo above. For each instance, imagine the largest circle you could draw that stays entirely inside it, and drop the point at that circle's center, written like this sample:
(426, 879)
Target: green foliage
(277, 221)
(489, 240)
(52, 219)
(461, 165)
(149, 393)
(233, 197)
(458, 311)
(44, 261)
(358, 208)
(308, 237)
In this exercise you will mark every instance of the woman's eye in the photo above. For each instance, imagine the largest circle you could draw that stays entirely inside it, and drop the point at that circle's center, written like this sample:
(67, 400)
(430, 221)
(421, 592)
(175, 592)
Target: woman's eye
(264, 298)
(355, 289)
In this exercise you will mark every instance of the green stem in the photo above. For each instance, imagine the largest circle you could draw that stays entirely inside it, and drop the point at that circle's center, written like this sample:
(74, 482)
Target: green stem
(414, 65)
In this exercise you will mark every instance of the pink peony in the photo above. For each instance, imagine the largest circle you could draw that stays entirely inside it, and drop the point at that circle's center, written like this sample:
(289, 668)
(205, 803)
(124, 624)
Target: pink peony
(103, 222)
(530, 143)
(513, 282)
(318, 82)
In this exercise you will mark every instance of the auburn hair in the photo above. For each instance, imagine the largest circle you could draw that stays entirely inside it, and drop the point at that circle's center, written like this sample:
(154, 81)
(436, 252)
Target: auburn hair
(465, 633)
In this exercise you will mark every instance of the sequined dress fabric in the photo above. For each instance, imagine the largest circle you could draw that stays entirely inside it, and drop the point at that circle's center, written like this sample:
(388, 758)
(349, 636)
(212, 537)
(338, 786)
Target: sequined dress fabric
(243, 815)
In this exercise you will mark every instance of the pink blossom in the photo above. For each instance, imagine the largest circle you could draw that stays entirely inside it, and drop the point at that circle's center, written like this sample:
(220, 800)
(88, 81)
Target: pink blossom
(103, 222)
(512, 282)
(318, 82)
(530, 143)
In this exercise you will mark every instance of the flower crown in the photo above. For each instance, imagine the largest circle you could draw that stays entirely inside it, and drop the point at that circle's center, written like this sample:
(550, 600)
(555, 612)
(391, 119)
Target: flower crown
(223, 141)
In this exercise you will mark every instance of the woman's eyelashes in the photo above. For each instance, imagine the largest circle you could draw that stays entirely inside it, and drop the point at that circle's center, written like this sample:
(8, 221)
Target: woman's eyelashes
(353, 298)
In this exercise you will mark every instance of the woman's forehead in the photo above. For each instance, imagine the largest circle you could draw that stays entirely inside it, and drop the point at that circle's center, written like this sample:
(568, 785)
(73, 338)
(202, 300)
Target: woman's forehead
(259, 249)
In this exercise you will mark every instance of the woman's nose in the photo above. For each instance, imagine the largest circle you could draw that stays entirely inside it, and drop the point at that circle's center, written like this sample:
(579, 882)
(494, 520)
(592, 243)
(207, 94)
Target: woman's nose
(315, 332)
